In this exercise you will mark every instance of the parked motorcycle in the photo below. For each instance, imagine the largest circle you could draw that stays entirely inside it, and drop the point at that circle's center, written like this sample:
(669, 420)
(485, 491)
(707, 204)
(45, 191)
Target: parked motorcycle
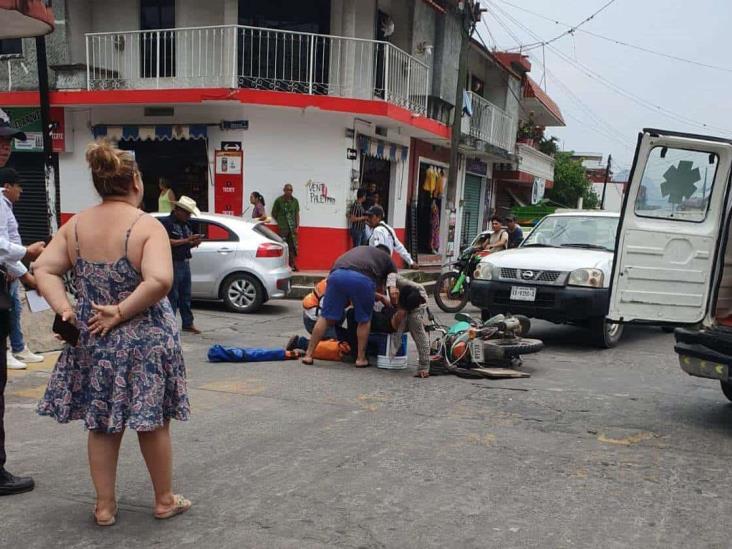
(470, 344)
(452, 288)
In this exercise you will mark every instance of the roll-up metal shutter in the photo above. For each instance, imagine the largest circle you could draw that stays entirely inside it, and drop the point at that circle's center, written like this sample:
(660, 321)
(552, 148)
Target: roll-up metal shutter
(31, 210)
(471, 208)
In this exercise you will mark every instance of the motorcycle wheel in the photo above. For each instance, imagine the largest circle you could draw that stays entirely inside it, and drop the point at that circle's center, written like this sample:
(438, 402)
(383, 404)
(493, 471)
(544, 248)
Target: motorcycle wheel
(518, 346)
(445, 299)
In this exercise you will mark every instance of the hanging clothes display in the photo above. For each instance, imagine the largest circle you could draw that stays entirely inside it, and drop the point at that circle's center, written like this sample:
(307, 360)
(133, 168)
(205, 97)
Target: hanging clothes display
(432, 183)
(435, 226)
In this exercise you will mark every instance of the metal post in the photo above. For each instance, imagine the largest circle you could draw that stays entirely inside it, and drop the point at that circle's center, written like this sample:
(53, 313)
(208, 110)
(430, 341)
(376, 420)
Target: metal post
(409, 90)
(157, 59)
(386, 72)
(88, 71)
(49, 172)
(604, 185)
(311, 63)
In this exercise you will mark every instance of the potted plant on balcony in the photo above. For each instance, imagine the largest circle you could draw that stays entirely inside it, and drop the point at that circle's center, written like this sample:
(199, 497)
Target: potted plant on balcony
(529, 133)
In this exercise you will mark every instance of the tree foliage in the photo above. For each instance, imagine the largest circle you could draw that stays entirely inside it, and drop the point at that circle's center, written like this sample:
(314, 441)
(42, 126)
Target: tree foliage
(571, 183)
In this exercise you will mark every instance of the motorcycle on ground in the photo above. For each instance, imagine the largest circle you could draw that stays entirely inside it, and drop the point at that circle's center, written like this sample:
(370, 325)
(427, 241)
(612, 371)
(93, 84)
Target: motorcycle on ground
(469, 346)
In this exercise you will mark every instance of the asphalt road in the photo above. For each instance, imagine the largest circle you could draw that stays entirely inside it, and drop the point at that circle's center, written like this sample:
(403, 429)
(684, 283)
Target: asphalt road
(597, 449)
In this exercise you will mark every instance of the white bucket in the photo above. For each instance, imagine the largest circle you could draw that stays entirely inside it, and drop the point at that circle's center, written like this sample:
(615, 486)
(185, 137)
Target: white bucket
(393, 363)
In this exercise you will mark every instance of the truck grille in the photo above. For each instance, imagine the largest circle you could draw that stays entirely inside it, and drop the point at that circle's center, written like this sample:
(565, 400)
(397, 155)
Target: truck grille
(530, 275)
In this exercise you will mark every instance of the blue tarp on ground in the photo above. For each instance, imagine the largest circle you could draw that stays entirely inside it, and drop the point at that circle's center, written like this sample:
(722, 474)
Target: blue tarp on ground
(219, 353)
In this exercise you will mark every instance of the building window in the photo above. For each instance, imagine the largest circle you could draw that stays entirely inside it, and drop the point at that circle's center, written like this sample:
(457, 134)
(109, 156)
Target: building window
(11, 47)
(157, 49)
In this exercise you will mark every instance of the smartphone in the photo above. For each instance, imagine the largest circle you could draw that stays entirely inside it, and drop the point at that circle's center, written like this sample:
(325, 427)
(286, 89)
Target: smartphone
(68, 332)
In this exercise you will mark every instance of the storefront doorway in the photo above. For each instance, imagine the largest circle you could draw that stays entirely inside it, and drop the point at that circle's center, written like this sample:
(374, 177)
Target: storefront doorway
(184, 163)
(431, 187)
(472, 218)
(376, 178)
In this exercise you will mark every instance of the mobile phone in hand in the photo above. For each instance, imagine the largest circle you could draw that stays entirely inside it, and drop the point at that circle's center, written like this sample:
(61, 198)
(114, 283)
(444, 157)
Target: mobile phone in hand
(68, 332)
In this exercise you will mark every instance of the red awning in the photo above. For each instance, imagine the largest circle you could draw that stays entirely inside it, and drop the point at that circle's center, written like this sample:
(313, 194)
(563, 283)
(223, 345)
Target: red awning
(532, 91)
(25, 18)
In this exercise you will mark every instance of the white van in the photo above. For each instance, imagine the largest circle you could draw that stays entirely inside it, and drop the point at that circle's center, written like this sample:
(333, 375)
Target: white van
(674, 257)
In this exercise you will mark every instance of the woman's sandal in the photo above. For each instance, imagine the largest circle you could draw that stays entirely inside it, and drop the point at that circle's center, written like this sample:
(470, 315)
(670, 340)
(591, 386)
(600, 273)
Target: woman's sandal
(307, 361)
(180, 506)
(362, 364)
(108, 522)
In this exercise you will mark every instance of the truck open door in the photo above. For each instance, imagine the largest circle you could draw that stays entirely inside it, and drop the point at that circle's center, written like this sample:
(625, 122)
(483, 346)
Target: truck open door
(672, 226)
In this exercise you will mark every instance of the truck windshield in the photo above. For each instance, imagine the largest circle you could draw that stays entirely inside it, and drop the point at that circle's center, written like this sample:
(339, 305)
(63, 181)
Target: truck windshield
(578, 231)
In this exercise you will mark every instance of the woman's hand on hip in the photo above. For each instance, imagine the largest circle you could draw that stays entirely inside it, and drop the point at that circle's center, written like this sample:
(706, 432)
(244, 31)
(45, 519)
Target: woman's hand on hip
(105, 318)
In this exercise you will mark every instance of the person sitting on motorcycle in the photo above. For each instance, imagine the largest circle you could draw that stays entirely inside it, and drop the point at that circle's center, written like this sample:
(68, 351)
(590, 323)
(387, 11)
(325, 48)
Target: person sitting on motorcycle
(498, 241)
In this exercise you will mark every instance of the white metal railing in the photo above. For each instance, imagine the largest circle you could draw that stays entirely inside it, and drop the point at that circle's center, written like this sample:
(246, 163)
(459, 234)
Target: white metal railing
(492, 124)
(250, 57)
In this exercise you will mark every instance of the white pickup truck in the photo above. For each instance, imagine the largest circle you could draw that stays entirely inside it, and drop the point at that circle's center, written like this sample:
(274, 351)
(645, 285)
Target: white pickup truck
(560, 272)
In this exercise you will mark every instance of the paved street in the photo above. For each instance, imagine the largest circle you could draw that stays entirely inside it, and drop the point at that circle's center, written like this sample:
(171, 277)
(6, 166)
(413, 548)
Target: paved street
(597, 449)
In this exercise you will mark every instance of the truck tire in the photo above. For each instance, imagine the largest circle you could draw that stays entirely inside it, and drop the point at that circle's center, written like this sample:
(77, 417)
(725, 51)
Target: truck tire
(605, 335)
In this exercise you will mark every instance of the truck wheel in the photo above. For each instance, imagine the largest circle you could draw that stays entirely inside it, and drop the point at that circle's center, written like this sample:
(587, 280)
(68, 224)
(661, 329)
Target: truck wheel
(605, 335)
(726, 389)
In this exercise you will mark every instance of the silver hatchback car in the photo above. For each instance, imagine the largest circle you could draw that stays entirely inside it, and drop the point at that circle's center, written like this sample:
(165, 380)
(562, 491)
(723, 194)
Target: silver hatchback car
(240, 263)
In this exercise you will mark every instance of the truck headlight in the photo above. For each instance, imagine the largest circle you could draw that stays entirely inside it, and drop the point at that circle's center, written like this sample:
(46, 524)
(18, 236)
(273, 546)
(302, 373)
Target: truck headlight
(484, 271)
(592, 278)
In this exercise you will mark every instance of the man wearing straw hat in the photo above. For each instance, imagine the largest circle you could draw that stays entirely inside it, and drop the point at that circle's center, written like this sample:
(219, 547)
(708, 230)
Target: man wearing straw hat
(182, 239)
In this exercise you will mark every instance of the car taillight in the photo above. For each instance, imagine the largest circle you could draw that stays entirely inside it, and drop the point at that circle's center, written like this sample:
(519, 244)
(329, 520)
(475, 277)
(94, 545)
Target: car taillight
(270, 250)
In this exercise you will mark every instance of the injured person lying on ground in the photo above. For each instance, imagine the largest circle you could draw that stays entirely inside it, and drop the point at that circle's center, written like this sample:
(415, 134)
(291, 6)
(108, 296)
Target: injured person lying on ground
(409, 315)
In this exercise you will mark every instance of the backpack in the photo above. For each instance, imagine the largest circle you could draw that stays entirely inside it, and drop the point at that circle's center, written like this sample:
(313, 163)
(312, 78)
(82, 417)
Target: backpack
(331, 349)
(315, 298)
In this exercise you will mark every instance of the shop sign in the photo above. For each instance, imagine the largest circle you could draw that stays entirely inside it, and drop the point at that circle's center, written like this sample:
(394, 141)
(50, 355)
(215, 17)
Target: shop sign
(28, 120)
(473, 165)
(235, 124)
(351, 154)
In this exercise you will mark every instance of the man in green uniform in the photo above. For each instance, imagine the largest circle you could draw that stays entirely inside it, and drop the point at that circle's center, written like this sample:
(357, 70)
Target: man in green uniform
(286, 211)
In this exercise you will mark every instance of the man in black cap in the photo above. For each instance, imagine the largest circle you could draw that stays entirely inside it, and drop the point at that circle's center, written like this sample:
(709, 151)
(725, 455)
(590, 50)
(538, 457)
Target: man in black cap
(10, 256)
(383, 235)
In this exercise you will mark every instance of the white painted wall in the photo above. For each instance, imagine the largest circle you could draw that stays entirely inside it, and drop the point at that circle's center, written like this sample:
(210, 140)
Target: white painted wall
(281, 146)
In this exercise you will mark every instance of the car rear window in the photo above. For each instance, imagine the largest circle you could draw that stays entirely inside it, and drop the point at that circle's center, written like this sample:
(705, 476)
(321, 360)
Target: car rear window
(266, 232)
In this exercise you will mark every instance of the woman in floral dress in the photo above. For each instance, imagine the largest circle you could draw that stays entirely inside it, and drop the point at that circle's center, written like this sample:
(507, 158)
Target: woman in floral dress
(127, 368)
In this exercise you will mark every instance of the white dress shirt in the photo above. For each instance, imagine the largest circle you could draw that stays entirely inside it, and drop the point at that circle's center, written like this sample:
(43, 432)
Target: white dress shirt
(383, 235)
(11, 251)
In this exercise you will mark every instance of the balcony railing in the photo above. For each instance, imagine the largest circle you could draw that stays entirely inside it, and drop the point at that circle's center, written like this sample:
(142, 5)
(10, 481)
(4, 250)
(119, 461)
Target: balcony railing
(236, 56)
(535, 162)
(491, 124)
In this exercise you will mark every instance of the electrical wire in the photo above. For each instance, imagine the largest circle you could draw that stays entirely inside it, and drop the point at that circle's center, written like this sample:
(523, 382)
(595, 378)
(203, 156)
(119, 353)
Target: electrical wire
(621, 42)
(571, 29)
(589, 73)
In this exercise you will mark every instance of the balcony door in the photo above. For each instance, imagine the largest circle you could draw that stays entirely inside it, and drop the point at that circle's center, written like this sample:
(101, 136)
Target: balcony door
(276, 48)
(157, 47)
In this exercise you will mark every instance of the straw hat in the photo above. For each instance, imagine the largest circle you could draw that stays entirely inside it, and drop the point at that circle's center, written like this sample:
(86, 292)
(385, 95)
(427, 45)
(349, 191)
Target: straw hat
(188, 204)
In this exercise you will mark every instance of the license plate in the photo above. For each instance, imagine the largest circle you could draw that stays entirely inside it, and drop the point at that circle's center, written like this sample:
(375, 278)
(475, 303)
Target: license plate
(523, 293)
(476, 350)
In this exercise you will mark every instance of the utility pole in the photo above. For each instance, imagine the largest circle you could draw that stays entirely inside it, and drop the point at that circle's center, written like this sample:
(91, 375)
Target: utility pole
(469, 12)
(604, 186)
(46, 127)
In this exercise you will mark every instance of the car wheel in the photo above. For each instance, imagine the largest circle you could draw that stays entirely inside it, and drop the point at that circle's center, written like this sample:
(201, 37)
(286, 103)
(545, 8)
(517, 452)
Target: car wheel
(605, 335)
(242, 293)
(726, 389)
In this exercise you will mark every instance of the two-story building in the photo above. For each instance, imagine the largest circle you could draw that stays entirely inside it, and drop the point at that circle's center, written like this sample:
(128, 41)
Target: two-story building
(227, 97)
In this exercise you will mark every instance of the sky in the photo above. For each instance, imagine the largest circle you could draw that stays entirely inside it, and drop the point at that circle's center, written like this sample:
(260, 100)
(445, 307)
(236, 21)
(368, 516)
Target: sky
(602, 87)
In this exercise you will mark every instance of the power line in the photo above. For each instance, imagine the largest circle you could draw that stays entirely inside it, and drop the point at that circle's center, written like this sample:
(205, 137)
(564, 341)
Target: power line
(621, 42)
(607, 83)
(572, 29)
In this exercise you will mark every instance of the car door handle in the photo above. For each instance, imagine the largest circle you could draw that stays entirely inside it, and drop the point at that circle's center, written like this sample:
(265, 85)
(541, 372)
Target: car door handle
(224, 250)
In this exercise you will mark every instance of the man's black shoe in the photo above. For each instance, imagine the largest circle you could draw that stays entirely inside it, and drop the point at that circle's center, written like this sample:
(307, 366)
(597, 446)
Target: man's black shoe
(10, 484)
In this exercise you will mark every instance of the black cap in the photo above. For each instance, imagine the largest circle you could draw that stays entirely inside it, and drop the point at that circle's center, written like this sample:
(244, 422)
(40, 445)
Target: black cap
(6, 130)
(376, 210)
(8, 176)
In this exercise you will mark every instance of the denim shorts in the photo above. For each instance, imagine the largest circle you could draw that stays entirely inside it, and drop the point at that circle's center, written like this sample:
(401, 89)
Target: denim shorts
(344, 286)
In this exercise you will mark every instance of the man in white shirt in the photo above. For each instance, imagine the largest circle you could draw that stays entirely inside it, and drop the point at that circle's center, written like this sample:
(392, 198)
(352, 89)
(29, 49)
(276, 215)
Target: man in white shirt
(18, 353)
(383, 235)
(10, 260)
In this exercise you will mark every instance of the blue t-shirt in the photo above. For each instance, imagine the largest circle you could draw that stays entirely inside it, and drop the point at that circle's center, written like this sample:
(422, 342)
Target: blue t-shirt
(178, 231)
(515, 237)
